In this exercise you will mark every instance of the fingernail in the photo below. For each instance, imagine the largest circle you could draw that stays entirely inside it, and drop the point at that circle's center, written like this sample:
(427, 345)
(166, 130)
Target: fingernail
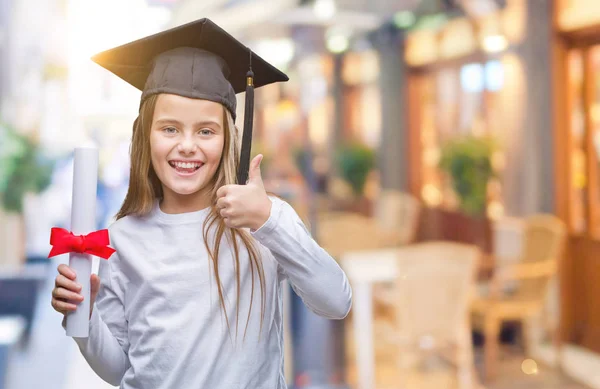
(79, 286)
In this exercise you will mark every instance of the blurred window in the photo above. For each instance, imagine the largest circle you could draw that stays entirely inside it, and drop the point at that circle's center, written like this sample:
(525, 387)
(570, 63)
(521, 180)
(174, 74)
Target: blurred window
(584, 140)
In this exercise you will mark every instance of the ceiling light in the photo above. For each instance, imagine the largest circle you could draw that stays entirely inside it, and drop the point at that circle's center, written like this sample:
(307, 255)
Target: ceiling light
(495, 43)
(324, 9)
(337, 43)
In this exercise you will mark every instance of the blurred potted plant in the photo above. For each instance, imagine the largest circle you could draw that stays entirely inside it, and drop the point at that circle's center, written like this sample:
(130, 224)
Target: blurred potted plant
(300, 160)
(468, 162)
(354, 163)
(23, 169)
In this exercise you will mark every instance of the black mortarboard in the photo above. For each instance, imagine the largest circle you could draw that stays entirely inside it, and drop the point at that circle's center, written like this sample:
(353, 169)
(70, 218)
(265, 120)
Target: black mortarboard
(197, 60)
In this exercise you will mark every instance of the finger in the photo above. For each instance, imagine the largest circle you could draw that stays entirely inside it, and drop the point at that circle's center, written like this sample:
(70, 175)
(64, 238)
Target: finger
(63, 306)
(222, 203)
(94, 286)
(254, 174)
(62, 281)
(64, 294)
(66, 271)
(224, 213)
(222, 191)
(94, 282)
(231, 223)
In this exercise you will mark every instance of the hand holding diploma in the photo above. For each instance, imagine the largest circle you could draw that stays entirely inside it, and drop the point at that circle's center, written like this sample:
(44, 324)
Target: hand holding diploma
(67, 291)
(75, 286)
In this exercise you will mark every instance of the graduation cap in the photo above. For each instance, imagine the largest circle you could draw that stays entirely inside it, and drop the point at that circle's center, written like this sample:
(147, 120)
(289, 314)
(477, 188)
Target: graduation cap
(196, 60)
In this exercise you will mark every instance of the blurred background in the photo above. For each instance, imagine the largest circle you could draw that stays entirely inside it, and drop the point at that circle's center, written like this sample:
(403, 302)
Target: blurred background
(445, 152)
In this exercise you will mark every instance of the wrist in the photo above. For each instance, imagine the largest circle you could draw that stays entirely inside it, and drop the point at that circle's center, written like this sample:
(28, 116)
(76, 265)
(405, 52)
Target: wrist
(263, 214)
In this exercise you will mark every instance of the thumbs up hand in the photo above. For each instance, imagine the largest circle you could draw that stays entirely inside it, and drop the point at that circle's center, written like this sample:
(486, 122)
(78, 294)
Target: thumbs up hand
(245, 206)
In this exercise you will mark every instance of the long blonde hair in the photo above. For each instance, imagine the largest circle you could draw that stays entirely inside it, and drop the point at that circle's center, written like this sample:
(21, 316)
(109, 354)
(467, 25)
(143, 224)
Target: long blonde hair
(145, 188)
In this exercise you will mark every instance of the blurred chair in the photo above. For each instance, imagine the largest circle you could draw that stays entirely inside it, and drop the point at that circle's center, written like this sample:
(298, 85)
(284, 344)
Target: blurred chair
(507, 247)
(400, 212)
(342, 232)
(433, 291)
(508, 238)
(528, 279)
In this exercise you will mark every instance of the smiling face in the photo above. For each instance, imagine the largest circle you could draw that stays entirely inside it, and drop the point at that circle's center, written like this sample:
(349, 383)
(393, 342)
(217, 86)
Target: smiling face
(186, 144)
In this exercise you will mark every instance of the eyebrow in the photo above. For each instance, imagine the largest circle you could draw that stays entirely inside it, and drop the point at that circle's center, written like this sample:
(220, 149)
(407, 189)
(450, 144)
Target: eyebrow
(207, 122)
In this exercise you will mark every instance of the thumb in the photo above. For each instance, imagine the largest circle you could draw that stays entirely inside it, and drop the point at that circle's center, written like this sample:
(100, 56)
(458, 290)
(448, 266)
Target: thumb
(254, 174)
(94, 287)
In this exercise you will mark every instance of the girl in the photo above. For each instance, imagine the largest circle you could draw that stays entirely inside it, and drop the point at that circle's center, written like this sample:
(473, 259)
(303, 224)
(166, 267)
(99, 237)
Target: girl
(199, 259)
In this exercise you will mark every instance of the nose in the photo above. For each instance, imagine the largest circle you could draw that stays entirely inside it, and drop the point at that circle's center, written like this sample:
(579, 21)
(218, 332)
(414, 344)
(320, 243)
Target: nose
(187, 146)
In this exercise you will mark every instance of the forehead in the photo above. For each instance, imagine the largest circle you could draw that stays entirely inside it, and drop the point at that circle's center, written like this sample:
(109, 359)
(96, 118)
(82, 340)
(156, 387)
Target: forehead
(187, 109)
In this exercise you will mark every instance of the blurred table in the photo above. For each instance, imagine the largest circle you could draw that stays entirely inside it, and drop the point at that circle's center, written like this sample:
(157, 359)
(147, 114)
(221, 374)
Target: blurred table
(363, 270)
(340, 233)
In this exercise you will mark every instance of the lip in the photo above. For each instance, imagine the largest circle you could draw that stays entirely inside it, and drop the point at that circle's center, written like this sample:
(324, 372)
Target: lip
(181, 174)
(186, 160)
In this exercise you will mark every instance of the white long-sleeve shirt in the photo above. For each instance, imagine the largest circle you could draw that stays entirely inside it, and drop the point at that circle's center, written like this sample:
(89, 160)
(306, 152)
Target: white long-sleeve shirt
(157, 321)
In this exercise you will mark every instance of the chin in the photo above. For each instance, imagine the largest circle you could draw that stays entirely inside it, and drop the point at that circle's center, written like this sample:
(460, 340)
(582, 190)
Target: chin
(186, 191)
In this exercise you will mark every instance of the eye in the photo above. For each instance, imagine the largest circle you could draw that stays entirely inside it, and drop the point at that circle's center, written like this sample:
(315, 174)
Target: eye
(170, 130)
(205, 131)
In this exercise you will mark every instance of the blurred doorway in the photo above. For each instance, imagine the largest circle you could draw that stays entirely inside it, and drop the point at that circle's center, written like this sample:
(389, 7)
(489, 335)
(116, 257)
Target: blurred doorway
(577, 153)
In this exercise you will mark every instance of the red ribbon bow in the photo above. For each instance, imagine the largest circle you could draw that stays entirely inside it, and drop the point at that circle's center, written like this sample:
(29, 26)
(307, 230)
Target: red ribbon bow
(95, 243)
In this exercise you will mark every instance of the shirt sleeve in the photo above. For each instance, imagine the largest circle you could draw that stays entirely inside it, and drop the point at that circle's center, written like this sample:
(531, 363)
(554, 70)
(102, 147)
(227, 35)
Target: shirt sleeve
(314, 275)
(106, 348)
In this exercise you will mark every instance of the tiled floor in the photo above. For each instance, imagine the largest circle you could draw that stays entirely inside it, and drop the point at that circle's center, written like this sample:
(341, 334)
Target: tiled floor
(442, 377)
(511, 376)
(437, 374)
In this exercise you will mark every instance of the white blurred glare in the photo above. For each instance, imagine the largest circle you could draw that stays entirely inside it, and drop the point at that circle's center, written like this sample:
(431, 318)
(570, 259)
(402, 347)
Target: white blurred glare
(94, 27)
(324, 9)
(495, 43)
(11, 328)
(278, 52)
(494, 76)
(472, 78)
(337, 44)
(337, 39)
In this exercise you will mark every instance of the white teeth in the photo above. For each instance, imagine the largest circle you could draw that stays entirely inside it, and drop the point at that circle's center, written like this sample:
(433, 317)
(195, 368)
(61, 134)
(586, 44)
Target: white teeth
(186, 165)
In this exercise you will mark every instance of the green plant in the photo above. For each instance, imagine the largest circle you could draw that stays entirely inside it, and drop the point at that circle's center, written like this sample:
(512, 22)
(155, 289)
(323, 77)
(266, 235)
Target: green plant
(467, 160)
(354, 162)
(23, 168)
(300, 159)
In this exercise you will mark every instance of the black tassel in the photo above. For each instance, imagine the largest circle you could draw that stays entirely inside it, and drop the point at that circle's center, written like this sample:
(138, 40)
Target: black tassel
(242, 175)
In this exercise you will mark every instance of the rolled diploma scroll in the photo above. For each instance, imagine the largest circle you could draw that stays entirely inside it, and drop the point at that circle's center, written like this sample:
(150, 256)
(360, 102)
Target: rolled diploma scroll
(83, 221)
